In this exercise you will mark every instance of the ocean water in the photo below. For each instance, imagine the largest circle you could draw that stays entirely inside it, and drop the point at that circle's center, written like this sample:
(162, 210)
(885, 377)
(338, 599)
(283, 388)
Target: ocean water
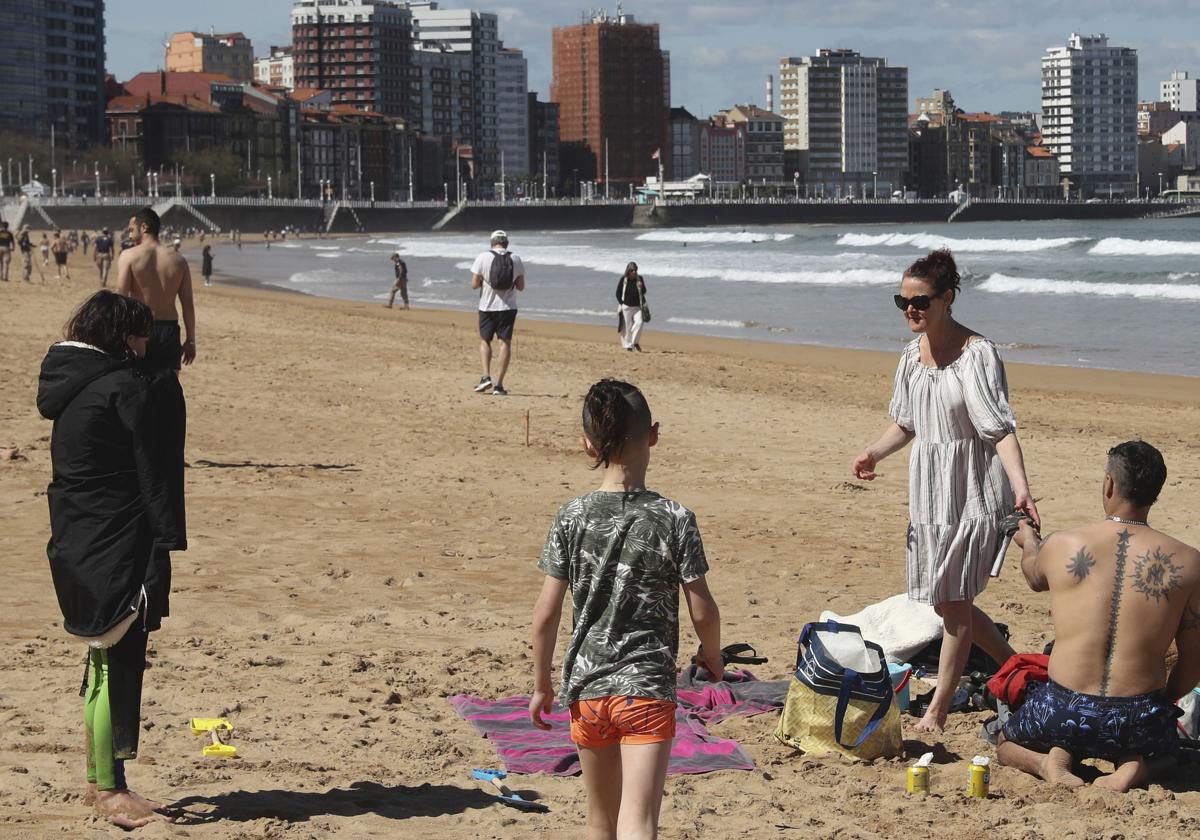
(1121, 295)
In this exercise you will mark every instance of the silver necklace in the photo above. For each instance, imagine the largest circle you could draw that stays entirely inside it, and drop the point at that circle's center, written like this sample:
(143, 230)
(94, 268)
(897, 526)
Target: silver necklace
(1128, 521)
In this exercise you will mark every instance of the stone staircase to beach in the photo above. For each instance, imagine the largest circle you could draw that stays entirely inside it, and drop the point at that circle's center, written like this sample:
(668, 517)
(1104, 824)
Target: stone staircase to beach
(39, 213)
(960, 209)
(14, 214)
(164, 206)
(445, 220)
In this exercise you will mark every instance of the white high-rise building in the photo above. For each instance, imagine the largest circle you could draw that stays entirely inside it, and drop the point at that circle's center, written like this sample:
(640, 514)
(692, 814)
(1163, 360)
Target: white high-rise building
(475, 34)
(1180, 91)
(277, 69)
(512, 101)
(849, 113)
(1089, 115)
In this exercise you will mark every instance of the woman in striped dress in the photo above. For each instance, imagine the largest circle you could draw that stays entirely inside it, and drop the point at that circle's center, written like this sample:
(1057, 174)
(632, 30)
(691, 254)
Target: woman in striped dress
(966, 471)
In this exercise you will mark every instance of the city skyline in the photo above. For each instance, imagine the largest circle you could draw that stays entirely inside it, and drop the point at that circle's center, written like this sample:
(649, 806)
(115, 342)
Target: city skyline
(721, 55)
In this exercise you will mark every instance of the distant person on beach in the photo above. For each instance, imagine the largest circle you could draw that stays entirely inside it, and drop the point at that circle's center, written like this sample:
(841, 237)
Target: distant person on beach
(631, 297)
(25, 244)
(158, 276)
(206, 265)
(103, 255)
(1120, 593)
(498, 274)
(44, 247)
(7, 245)
(401, 284)
(60, 248)
(966, 473)
(623, 552)
(177, 244)
(267, 239)
(107, 511)
(85, 240)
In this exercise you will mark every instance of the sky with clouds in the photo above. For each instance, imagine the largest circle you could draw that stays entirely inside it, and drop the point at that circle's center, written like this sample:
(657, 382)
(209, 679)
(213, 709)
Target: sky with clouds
(988, 54)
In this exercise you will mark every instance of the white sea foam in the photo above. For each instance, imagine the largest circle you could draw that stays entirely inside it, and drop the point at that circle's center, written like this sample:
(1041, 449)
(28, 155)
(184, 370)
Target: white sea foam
(719, 236)
(1002, 283)
(327, 256)
(929, 241)
(584, 313)
(465, 265)
(1183, 275)
(708, 322)
(1118, 247)
(326, 247)
(320, 275)
(437, 281)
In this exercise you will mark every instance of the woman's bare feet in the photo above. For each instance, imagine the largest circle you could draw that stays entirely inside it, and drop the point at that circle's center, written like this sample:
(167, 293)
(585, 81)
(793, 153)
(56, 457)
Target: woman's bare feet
(128, 810)
(1056, 769)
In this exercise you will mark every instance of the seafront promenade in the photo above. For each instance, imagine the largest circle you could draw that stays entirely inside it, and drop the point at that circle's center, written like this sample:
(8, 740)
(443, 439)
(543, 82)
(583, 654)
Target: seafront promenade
(217, 213)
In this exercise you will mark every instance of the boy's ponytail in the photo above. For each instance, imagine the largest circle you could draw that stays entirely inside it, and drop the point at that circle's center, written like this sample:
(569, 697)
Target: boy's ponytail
(613, 412)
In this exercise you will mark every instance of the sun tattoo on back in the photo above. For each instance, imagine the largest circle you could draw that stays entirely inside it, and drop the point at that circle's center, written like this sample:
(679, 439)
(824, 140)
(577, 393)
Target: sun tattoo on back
(1155, 576)
(1081, 564)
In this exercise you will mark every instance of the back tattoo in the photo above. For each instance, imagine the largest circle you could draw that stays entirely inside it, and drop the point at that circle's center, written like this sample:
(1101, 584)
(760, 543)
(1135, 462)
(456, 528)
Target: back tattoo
(1114, 610)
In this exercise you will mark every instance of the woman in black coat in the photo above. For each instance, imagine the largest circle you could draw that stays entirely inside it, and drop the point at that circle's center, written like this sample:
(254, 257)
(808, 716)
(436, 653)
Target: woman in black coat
(109, 507)
(631, 303)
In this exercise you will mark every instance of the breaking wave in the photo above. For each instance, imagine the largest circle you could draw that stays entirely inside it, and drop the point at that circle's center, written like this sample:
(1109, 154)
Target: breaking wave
(712, 236)
(929, 241)
(1002, 283)
(1118, 247)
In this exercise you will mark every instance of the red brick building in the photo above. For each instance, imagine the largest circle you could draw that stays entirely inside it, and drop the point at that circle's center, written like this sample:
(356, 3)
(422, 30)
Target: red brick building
(608, 83)
(360, 52)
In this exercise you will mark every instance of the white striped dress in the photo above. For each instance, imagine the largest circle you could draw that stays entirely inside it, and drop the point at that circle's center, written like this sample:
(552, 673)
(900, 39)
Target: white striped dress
(958, 491)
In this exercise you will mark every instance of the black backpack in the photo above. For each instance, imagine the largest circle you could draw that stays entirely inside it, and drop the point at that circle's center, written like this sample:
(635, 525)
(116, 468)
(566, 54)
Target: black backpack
(501, 276)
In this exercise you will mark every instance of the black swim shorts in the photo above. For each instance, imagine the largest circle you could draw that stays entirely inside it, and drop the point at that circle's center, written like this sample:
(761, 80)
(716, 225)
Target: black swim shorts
(1089, 726)
(497, 324)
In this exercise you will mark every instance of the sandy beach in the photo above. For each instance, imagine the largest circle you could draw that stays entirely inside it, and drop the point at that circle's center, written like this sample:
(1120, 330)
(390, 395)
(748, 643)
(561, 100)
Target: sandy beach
(364, 530)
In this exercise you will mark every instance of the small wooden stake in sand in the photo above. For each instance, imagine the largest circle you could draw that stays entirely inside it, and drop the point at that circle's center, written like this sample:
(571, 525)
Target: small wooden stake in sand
(527, 427)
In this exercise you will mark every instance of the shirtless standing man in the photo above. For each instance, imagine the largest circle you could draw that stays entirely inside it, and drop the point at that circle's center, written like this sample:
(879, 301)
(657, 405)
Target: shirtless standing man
(1120, 593)
(155, 274)
(7, 244)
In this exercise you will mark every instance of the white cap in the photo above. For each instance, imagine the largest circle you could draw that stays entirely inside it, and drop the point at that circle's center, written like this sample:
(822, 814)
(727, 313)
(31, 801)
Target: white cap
(499, 236)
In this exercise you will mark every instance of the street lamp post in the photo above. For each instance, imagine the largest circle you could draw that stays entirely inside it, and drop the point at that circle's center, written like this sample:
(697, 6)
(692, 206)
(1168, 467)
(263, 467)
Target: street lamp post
(796, 184)
(270, 194)
(97, 181)
(53, 183)
(874, 186)
(1160, 176)
(212, 183)
(372, 192)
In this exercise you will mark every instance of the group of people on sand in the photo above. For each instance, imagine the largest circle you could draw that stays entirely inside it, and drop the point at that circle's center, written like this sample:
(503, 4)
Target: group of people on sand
(1121, 592)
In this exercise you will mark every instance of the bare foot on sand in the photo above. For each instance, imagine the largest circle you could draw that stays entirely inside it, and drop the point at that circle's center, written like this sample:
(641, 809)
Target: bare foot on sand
(1130, 773)
(1056, 769)
(89, 794)
(933, 722)
(128, 810)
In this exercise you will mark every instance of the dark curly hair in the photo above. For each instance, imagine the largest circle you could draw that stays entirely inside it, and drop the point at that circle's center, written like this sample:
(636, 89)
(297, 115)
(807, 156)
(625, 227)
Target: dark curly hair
(939, 269)
(1138, 470)
(613, 412)
(107, 319)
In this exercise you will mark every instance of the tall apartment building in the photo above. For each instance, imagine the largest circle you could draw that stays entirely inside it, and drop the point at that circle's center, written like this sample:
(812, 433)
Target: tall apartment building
(684, 131)
(849, 114)
(476, 35)
(940, 102)
(608, 81)
(277, 68)
(512, 111)
(543, 141)
(1180, 91)
(360, 50)
(444, 107)
(52, 70)
(1089, 108)
(195, 52)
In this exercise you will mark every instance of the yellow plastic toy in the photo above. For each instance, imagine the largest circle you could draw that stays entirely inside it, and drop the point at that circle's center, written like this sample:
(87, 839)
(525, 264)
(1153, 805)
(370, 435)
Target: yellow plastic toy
(216, 729)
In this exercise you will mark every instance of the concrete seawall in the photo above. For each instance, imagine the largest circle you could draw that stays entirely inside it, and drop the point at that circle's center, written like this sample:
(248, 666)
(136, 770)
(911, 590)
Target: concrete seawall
(566, 216)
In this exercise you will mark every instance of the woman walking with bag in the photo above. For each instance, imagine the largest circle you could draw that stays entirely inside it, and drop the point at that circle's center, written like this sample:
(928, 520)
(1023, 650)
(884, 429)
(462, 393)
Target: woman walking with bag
(631, 300)
(966, 473)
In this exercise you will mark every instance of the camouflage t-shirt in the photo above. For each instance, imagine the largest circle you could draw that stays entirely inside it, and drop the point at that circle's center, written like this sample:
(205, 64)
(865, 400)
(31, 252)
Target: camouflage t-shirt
(625, 556)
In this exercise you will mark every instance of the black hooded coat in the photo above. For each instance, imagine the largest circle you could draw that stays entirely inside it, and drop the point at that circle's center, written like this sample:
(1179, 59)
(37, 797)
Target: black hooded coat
(110, 501)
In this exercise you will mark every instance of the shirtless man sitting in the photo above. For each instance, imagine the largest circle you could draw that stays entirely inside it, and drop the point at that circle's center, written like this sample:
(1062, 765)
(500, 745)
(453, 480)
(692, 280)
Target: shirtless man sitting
(1120, 593)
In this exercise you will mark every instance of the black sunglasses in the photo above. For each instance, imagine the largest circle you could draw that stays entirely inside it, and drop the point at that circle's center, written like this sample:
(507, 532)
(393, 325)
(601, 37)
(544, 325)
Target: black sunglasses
(917, 302)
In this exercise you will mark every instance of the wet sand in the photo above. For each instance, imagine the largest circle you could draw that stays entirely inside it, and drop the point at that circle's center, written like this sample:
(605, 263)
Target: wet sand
(363, 536)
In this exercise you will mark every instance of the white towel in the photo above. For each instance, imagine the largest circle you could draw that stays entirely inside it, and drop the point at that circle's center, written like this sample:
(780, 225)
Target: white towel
(898, 625)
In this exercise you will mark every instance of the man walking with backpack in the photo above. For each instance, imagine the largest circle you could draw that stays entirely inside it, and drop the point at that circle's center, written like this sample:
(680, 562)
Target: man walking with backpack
(499, 275)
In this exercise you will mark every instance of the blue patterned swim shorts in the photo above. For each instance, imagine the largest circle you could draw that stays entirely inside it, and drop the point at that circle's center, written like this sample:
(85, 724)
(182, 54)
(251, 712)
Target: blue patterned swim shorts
(1090, 726)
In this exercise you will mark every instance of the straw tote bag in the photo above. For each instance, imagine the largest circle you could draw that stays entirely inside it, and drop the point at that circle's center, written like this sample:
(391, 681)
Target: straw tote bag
(840, 698)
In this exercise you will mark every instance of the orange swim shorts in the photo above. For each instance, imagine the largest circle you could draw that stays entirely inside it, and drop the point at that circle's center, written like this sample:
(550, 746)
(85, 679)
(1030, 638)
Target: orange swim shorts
(604, 721)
